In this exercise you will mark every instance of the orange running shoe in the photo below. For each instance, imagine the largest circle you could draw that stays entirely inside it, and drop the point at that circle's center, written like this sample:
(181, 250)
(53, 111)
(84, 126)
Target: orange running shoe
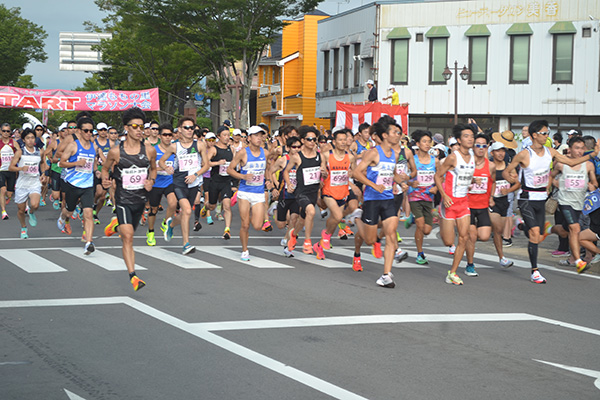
(325, 242)
(547, 229)
(307, 249)
(319, 251)
(348, 231)
(137, 283)
(291, 244)
(342, 234)
(68, 229)
(356, 266)
(111, 228)
(376, 251)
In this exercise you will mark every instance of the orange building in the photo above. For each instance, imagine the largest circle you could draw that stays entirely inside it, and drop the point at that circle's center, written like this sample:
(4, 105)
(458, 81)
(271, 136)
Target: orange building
(287, 77)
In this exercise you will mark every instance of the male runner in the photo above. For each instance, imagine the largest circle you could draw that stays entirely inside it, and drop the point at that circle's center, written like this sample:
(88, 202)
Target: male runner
(220, 156)
(8, 148)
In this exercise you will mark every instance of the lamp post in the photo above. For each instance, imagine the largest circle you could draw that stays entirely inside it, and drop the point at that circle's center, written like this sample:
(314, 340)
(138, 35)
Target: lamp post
(464, 74)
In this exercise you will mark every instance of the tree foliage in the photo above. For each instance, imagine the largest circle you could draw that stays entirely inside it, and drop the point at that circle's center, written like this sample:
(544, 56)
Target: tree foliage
(230, 36)
(21, 41)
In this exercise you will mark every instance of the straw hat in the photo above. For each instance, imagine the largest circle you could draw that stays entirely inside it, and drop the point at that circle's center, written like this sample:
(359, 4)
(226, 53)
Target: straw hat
(507, 138)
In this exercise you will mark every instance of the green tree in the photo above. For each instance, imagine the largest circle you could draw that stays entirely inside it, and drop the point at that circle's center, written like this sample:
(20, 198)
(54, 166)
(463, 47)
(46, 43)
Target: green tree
(230, 36)
(21, 41)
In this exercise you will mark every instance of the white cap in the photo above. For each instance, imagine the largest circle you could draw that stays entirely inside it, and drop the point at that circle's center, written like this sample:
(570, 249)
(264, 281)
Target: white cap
(147, 125)
(210, 135)
(276, 133)
(27, 125)
(101, 125)
(572, 132)
(62, 126)
(255, 129)
(391, 87)
(45, 135)
(237, 132)
(497, 146)
(452, 141)
(370, 82)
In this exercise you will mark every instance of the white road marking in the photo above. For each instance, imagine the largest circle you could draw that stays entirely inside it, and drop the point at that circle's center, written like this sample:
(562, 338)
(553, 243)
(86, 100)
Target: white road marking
(73, 396)
(369, 257)
(103, 260)
(582, 371)
(306, 258)
(180, 260)
(256, 262)
(30, 262)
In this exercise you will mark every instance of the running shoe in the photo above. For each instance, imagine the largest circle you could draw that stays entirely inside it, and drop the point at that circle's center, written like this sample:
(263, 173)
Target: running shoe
(234, 199)
(83, 239)
(56, 205)
(42, 203)
(291, 244)
(89, 248)
(355, 214)
(169, 231)
(566, 263)
(520, 224)
(507, 242)
(408, 222)
(163, 225)
(245, 255)
(470, 270)
(287, 253)
(160, 208)
(356, 266)
(111, 228)
(386, 280)
(324, 213)
(272, 208)
(60, 223)
(319, 251)
(376, 250)
(547, 228)
(506, 263)
(283, 242)
(137, 283)
(68, 229)
(4, 215)
(209, 220)
(219, 208)
(24, 233)
(197, 226)
(96, 219)
(400, 255)
(342, 235)
(582, 266)
(203, 211)
(150, 239)
(108, 203)
(188, 249)
(422, 260)
(307, 248)
(144, 217)
(325, 240)
(220, 217)
(32, 219)
(267, 227)
(75, 213)
(453, 279)
(451, 250)
(559, 253)
(227, 234)
(348, 231)
(536, 277)
(596, 259)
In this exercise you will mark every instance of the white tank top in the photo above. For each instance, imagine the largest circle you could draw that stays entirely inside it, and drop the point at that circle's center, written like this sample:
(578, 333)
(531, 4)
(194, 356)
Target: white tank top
(534, 178)
(572, 186)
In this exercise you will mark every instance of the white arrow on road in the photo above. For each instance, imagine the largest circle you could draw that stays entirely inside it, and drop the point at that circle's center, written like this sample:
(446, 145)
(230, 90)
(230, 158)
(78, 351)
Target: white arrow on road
(582, 371)
(73, 396)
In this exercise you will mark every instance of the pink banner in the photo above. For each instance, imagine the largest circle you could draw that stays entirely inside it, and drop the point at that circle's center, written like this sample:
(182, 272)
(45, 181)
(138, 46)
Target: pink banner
(69, 100)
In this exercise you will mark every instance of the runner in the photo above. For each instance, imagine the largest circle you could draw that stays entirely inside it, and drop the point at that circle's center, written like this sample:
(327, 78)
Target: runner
(29, 163)
(79, 161)
(134, 173)
(500, 202)
(535, 163)
(220, 156)
(103, 145)
(457, 174)
(163, 185)
(189, 165)
(153, 133)
(57, 194)
(251, 193)
(377, 172)
(8, 148)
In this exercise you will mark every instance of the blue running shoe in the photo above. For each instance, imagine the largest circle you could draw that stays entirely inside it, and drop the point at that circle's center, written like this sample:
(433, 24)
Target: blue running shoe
(32, 219)
(470, 270)
(209, 220)
(421, 260)
(169, 231)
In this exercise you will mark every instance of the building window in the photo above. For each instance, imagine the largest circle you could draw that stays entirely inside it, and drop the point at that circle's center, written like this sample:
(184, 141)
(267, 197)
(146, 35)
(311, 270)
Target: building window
(326, 70)
(264, 76)
(356, 64)
(586, 32)
(478, 49)
(419, 37)
(438, 56)
(346, 76)
(400, 62)
(519, 59)
(562, 58)
(336, 69)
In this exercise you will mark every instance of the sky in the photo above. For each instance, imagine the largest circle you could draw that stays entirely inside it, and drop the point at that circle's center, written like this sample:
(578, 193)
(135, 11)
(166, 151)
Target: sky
(57, 16)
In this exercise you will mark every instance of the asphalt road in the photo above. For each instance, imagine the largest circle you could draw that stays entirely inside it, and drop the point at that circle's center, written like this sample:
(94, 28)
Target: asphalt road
(209, 326)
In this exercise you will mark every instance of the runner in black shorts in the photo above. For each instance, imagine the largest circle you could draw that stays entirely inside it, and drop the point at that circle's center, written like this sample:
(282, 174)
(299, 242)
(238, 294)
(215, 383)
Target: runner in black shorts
(220, 156)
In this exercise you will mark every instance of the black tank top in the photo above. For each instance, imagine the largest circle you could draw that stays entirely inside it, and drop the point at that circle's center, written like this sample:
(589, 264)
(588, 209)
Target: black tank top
(218, 172)
(308, 169)
(127, 168)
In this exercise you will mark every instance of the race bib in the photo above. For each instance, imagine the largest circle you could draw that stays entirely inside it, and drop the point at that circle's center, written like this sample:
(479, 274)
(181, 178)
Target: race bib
(255, 178)
(33, 168)
(540, 179)
(503, 184)
(6, 158)
(480, 188)
(161, 172)
(89, 164)
(134, 178)
(189, 163)
(223, 169)
(401, 168)
(293, 181)
(575, 182)
(385, 178)
(339, 178)
(311, 176)
(425, 178)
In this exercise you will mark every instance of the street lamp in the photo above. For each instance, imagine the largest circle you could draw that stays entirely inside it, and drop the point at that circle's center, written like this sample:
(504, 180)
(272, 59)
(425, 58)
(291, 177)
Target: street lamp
(464, 74)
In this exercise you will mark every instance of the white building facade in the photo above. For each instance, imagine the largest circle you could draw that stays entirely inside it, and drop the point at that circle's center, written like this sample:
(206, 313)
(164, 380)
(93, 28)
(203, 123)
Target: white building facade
(527, 60)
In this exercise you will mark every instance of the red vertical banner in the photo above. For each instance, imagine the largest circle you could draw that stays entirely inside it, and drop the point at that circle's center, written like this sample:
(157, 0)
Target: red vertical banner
(351, 115)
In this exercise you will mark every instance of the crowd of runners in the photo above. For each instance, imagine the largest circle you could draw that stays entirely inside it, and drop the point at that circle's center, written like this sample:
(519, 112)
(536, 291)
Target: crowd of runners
(364, 183)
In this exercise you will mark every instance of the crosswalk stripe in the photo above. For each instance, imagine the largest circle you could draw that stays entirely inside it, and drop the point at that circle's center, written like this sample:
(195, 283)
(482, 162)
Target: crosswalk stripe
(369, 257)
(30, 262)
(186, 262)
(103, 260)
(306, 258)
(256, 262)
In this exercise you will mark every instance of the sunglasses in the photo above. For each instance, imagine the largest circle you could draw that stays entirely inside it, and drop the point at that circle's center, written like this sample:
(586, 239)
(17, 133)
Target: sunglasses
(3, 130)
(72, 127)
(188, 127)
(167, 134)
(154, 129)
(136, 126)
(38, 129)
(211, 140)
(481, 146)
(244, 137)
(87, 130)
(310, 139)
(103, 129)
(296, 147)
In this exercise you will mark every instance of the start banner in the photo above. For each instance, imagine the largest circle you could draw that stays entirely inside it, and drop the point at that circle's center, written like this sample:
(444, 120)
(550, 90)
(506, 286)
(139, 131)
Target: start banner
(351, 115)
(69, 100)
